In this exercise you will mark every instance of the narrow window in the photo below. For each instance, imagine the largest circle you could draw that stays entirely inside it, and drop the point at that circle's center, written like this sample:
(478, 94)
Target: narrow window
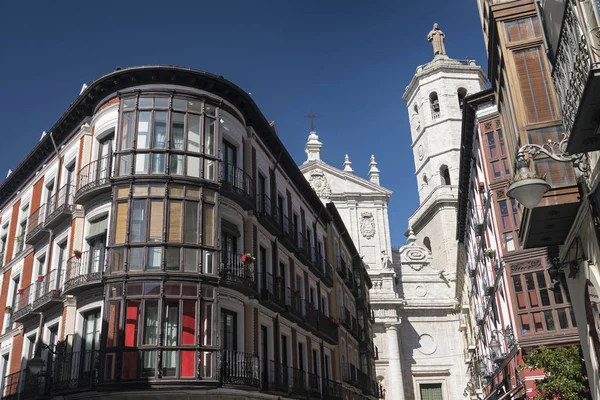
(445, 175)
(435, 105)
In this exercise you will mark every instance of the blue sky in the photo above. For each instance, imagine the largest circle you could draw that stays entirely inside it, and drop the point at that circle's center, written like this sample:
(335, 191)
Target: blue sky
(348, 61)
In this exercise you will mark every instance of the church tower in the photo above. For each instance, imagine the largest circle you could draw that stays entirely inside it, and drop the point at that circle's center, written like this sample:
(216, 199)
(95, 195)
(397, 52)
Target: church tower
(434, 100)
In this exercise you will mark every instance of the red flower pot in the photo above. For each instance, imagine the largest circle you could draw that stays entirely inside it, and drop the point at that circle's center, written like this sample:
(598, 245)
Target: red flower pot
(278, 280)
(40, 278)
(20, 291)
(78, 256)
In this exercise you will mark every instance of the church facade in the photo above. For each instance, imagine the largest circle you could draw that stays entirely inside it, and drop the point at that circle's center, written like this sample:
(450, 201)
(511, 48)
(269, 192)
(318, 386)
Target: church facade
(414, 294)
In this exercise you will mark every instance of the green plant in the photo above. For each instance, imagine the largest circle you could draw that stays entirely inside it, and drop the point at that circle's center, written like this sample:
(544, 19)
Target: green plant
(565, 373)
(491, 253)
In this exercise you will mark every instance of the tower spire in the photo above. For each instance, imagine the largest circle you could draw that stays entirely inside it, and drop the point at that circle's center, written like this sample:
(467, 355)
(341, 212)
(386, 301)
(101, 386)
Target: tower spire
(347, 164)
(373, 171)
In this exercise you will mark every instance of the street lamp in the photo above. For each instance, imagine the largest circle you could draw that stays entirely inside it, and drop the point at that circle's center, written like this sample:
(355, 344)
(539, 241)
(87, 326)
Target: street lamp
(37, 363)
(528, 187)
(507, 334)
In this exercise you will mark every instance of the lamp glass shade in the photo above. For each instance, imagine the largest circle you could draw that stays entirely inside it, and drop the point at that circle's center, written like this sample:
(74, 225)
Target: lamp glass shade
(528, 191)
(495, 345)
(35, 365)
(482, 368)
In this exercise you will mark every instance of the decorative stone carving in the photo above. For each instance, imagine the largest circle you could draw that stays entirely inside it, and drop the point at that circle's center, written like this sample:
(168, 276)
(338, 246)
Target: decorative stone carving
(427, 344)
(500, 193)
(488, 126)
(437, 37)
(413, 255)
(367, 225)
(421, 291)
(526, 265)
(421, 152)
(319, 183)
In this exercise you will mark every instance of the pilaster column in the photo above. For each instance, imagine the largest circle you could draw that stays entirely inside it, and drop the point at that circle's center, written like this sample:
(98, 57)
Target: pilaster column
(395, 382)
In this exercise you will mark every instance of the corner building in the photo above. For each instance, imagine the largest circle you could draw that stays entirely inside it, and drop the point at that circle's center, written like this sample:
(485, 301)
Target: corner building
(160, 240)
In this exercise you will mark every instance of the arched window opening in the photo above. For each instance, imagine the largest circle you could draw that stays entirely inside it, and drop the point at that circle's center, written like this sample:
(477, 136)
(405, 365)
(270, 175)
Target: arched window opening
(427, 243)
(461, 93)
(435, 105)
(416, 110)
(445, 175)
(425, 180)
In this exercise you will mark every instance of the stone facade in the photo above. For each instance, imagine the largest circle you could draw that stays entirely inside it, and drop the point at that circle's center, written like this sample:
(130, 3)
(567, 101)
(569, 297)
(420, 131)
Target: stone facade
(414, 291)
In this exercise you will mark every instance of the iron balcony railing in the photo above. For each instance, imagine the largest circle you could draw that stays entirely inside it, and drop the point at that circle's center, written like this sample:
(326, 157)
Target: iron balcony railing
(294, 303)
(236, 179)
(345, 318)
(279, 377)
(341, 268)
(84, 268)
(311, 315)
(289, 231)
(237, 368)
(328, 274)
(332, 390)
(73, 370)
(299, 381)
(60, 201)
(272, 289)
(22, 385)
(93, 175)
(35, 222)
(233, 270)
(48, 287)
(24, 302)
(19, 244)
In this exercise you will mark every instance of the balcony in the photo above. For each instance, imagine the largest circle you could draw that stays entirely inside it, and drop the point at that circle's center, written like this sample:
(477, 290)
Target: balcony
(73, 371)
(59, 206)
(93, 180)
(317, 263)
(304, 252)
(327, 278)
(19, 245)
(294, 305)
(327, 328)
(299, 382)
(272, 292)
(237, 185)
(349, 374)
(576, 74)
(345, 318)
(240, 369)
(237, 275)
(332, 390)
(48, 291)
(35, 226)
(268, 214)
(22, 385)
(289, 234)
(278, 379)
(22, 308)
(311, 317)
(84, 270)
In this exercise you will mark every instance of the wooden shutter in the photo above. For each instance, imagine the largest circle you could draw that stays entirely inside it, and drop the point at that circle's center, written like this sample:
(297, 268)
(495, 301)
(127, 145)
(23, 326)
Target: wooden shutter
(175, 208)
(156, 220)
(534, 85)
(121, 227)
(208, 216)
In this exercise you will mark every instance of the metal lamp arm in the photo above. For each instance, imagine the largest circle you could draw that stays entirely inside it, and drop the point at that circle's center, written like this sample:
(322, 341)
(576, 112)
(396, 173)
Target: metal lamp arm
(556, 151)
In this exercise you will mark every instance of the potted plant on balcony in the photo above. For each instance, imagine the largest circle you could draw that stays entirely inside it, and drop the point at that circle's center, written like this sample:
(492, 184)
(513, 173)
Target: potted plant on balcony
(20, 291)
(8, 309)
(77, 254)
(40, 278)
(247, 258)
(490, 253)
(278, 280)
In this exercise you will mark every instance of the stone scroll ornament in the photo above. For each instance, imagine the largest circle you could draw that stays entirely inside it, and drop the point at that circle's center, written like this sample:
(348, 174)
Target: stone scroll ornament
(367, 225)
(413, 255)
(319, 183)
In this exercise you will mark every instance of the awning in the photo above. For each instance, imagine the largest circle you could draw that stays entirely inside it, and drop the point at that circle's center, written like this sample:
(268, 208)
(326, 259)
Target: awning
(97, 228)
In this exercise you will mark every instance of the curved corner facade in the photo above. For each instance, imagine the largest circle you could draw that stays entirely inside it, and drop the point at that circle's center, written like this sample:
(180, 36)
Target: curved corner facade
(168, 243)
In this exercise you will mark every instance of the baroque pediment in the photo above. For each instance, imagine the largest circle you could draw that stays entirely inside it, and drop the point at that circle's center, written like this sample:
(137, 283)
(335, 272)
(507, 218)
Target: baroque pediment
(328, 181)
(413, 255)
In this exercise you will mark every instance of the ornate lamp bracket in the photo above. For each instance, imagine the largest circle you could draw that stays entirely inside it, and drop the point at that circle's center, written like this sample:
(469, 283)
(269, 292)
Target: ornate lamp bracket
(556, 151)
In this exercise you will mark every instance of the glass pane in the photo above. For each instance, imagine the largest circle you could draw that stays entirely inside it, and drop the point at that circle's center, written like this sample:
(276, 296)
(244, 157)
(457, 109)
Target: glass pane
(209, 136)
(154, 258)
(194, 133)
(169, 363)
(124, 164)
(143, 139)
(562, 318)
(141, 163)
(209, 109)
(193, 166)
(149, 363)
(128, 104)
(491, 142)
(145, 102)
(190, 222)
(152, 289)
(161, 102)
(160, 129)
(558, 297)
(177, 132)
(158, 163)
(176, 166)
(573, 320)
(138, 218)
(136, 258)
(127, 126)
(209, 170)
(112, 336)
(549, 320)
(208, 262)
(209, 224)
(509, 242)
(179, 104)
(190, 260)
(172, 261)
(171, 325)
(195, 106)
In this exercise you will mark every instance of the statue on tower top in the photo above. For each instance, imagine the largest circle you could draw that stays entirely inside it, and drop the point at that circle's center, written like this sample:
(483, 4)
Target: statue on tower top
(437, 37)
